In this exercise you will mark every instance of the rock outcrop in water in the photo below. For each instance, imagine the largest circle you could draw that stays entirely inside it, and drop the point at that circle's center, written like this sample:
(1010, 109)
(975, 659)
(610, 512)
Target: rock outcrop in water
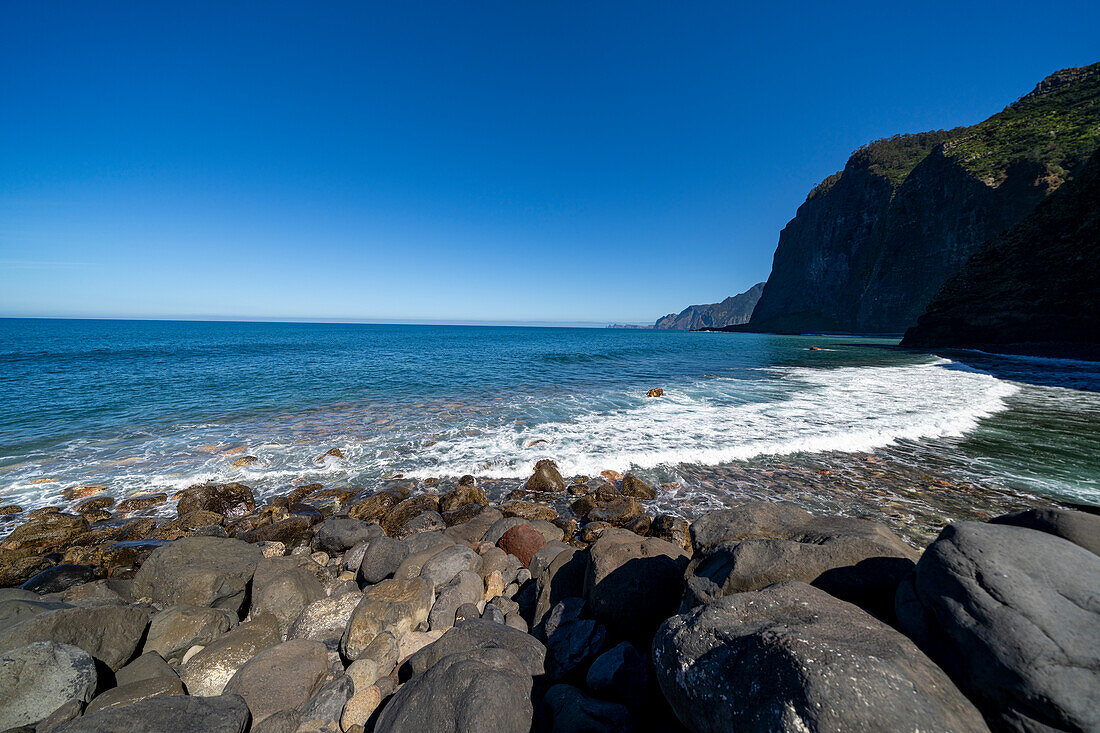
(1035, 286)
(873, 244)
(732, 311)
(471, 620)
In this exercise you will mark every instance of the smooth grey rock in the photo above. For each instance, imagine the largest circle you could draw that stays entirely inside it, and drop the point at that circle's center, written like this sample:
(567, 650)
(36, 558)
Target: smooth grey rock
(429, 521)
(284, 721)
(466, 587)
(340, 534)
(286, 595)
(394, 605)
(382, 558)
(566, 709)
(620, 675)
(542, 559)
(37, 679)
(110, 634)
(17, 610)
(326, 619)
(571, 641)
(198, 571)
(442, 567)
(478, 634)
(492, 558)
(492, 613)
(792, 657)
(69, 711)
(1080, 528)
(148, 666)
(497, 529)
(468, 611)
(282, 677)
(563, 578)
(270, 568)
(472, 531)
(175, 630)
(1012, 615)
(424, 541)
(328, 702)
(177, 714)
(377, 660)
(632, 583)
(208, 671)
(482, 689)
(133, 692)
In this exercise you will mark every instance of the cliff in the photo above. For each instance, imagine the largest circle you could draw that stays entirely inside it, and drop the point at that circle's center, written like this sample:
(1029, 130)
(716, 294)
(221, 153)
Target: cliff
(734, 310)
(873, 244)
(1038, 283)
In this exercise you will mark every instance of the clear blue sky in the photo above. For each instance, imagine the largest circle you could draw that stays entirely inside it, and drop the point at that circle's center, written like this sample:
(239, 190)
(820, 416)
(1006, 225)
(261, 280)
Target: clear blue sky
(498, 161)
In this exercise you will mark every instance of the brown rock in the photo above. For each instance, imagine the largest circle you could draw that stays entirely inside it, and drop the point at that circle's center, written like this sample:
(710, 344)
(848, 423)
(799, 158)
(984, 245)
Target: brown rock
(244, 461)
(140, 503)
(462, 496)
(137, 529)
(374, 506)
(618, 513)
(10, 509)
(528, 510)
(19, 566)
(331, 452)
(671, 528)
(463, 514)
(95, 504)
(408, 509)
(185, 525)
(545, 478)
(291, 532)
(655, 392)
(636, 487)
(232, 500)
(96, 515)
(523, 541)
(612, 476)
(302, 492)
(79, 492)
(46, 531)
(593, 530)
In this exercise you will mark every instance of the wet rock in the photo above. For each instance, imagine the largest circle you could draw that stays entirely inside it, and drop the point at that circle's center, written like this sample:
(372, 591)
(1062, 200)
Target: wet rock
(636, 487)
(110, 634)
(38, 678)
(382, 558)
(571, 641)
(592, 531)
(406, 510)
(96, 503)
(329, 701)
(342, 533)
(140, 503)
(466, 587)
(330, 453)
(46, 531)
(655, 392)
(294, 531)
(59, 578)
(133, 692)
(618, 512)
(308, 512)
(394, 605)
(137, 529)
(207, 672)
(478, 634)
(545, 477)
(1080, 528)
(176, 629)
(447, 563)
(620, 675)
(1011, 614)
(566, 709)
(463, 495)
(484, 689)
(424, 522)
(631, 582)
(187, 525)
(792, 657)
(245, 461)
(324, 620)
(282, 677)
(374, 506)
(522, 541)
(528, 510)
(179, 713)
(761, 543)
(670, 528)
(198, 571)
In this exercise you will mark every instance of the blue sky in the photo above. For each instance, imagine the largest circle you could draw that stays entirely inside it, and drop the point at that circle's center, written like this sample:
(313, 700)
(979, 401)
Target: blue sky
(559, 161)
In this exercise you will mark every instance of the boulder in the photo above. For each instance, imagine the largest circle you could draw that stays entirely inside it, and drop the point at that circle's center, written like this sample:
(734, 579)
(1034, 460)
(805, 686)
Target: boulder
(618, 512)
(377, 660)
(394, 605)
(207, 672)
(324, 620)
(45, 531)
(133, 692)
(329, 701)
(466, 587)
(497, 529)
(149, 665)
(294, 531)
(286, 595)
(18, 610)
(478, 634)
(542, 559)
(471, 530)
(566, 709)
(428, 521)
(340, 534)
(463, 495)
(792, 657)
(198, 571)
(59, 578)
(229, 500)
(442, 567)
(406, 510)
(670, 528)
(1012, 615)
(545, 477)
(761, 543)
(196, 522)
(176, 629)
(1080, 528)
(528, 510)
(38, 678)
(571, 641)
(522, 541)
(109, 633)
(179, 714)
(373, 506)
(636, 487)
(382, 558)
(282, 677)
(620, 675)
(483, 689)
(562, 579)
(632, 583)
(360, 707)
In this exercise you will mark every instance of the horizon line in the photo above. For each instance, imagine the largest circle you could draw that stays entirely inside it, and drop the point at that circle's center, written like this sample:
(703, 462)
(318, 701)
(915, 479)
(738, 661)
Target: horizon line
(338, 321)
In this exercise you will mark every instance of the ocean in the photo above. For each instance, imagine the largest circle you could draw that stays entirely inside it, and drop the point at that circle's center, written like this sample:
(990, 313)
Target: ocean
(848, 425)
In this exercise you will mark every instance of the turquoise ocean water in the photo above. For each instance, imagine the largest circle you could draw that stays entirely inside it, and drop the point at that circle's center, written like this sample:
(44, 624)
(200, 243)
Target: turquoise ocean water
(141, 406)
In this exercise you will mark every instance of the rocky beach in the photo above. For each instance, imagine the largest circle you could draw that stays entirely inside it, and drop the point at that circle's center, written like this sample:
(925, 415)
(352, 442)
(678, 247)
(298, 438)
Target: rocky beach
(413, 607)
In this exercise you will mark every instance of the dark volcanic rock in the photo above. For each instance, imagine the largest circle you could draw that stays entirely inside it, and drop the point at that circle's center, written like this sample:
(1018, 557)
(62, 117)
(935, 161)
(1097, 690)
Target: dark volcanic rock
(53, 529)
(329, 701)
(482, 689)
(133, 692)
(791, 657)
(566, 709)
(734, 310)
(620, 674)
(342, 533)
(1012, 615)
(199, 571)
(545, 477)
(563, 578)
(479, 634)
(632, 583)
(230, 500)
(37, 679)
(382, 558)
(179, 714)
(110, 633)
(571, 641)
(293, 531)
(394, 519)
(59, 578)
(636, 487)
(282, 677)
(1080, 528)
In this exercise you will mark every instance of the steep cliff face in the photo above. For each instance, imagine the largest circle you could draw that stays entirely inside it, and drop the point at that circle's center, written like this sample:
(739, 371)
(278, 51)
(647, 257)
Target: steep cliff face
(734, 310)
(1038, 283)
(874, 243)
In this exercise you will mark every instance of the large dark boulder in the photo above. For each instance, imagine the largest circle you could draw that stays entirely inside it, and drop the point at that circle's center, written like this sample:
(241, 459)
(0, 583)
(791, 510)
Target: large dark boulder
(109, 633)
(633, 583)
(478, 634)
(791, 657)
(38, 678)
(761, 543)
(176, 629)
(230, 500)
(1080, 528)
(198, 571)
(339, 534)
(49, 530)
(176, 714)
(545, 478)
(482, 689)
(566, 709)
(59, 578)
(1012, 614)
(563, 578)
(282, 677)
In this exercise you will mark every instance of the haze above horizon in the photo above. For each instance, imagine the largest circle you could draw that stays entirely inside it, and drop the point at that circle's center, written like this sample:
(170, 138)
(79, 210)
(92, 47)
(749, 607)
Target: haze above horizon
(433, 162)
